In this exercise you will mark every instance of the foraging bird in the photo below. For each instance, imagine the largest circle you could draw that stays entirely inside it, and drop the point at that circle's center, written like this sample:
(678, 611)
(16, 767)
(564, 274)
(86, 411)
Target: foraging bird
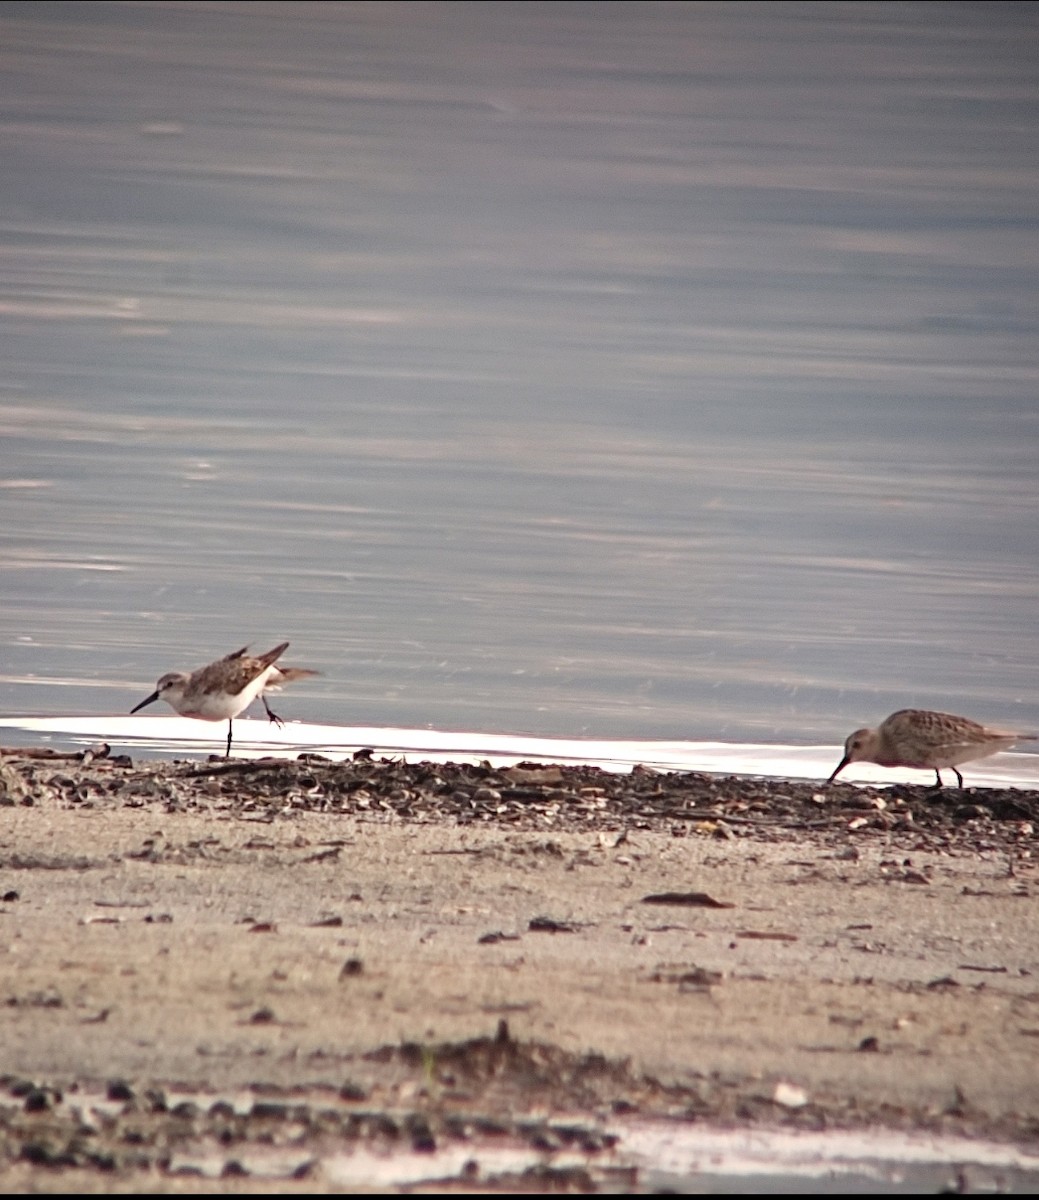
(916, 737)
(225, 688)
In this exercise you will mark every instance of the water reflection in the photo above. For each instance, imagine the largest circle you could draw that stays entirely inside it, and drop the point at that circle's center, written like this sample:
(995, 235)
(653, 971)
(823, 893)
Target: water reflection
(668, 374)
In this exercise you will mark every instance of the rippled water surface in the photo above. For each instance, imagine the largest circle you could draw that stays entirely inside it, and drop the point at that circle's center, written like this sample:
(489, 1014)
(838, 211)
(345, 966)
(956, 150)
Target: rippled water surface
(661, 371)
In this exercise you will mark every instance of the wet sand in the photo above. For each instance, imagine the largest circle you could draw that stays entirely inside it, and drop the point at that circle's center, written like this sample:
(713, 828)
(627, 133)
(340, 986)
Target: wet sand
(201, 961)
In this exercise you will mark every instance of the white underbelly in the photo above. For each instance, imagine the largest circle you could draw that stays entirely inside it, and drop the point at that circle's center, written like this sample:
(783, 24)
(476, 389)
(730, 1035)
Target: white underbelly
(220, 706)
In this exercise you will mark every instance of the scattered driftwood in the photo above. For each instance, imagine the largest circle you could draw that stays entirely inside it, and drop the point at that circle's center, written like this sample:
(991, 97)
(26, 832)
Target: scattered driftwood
(689, 899)
(611, 806)
(45, 754)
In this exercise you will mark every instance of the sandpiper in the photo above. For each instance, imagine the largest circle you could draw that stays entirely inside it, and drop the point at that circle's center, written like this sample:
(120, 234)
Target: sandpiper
(915, 737)
(225, 688)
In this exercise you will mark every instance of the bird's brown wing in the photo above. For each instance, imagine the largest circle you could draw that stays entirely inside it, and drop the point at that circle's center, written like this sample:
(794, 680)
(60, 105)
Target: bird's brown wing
(291, 674)
(273, 655)
(234, 671)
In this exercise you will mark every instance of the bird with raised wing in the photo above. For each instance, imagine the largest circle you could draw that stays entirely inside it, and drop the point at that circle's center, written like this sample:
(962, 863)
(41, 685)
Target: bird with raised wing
(225, 688)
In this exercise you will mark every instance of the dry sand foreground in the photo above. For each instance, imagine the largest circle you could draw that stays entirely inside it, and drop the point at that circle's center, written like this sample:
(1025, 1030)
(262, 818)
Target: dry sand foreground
(377, 956)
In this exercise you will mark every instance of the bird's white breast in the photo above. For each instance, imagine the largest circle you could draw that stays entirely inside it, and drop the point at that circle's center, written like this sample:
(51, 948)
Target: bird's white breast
(215, 704)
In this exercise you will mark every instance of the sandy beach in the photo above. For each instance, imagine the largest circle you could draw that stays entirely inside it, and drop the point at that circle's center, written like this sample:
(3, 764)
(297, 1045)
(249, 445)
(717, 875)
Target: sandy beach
(403, 957)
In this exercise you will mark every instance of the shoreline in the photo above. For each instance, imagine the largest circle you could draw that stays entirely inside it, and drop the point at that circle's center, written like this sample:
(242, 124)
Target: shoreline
(524, 944)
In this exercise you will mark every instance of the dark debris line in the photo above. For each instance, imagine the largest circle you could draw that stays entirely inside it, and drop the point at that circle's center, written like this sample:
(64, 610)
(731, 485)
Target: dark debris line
(531, 796)
(483, 1090)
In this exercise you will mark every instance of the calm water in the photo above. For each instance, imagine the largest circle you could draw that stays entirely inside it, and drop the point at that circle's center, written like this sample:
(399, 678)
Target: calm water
(611, 370)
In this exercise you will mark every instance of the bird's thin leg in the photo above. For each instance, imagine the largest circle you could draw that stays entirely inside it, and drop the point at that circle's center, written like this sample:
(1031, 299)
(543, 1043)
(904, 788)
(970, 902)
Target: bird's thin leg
(227, 752)
(938, 775)
(959, 777)
(273, 716)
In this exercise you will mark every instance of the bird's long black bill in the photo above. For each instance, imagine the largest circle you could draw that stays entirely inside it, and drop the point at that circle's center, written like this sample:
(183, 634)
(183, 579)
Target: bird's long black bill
(144, 703)
(843, 763)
